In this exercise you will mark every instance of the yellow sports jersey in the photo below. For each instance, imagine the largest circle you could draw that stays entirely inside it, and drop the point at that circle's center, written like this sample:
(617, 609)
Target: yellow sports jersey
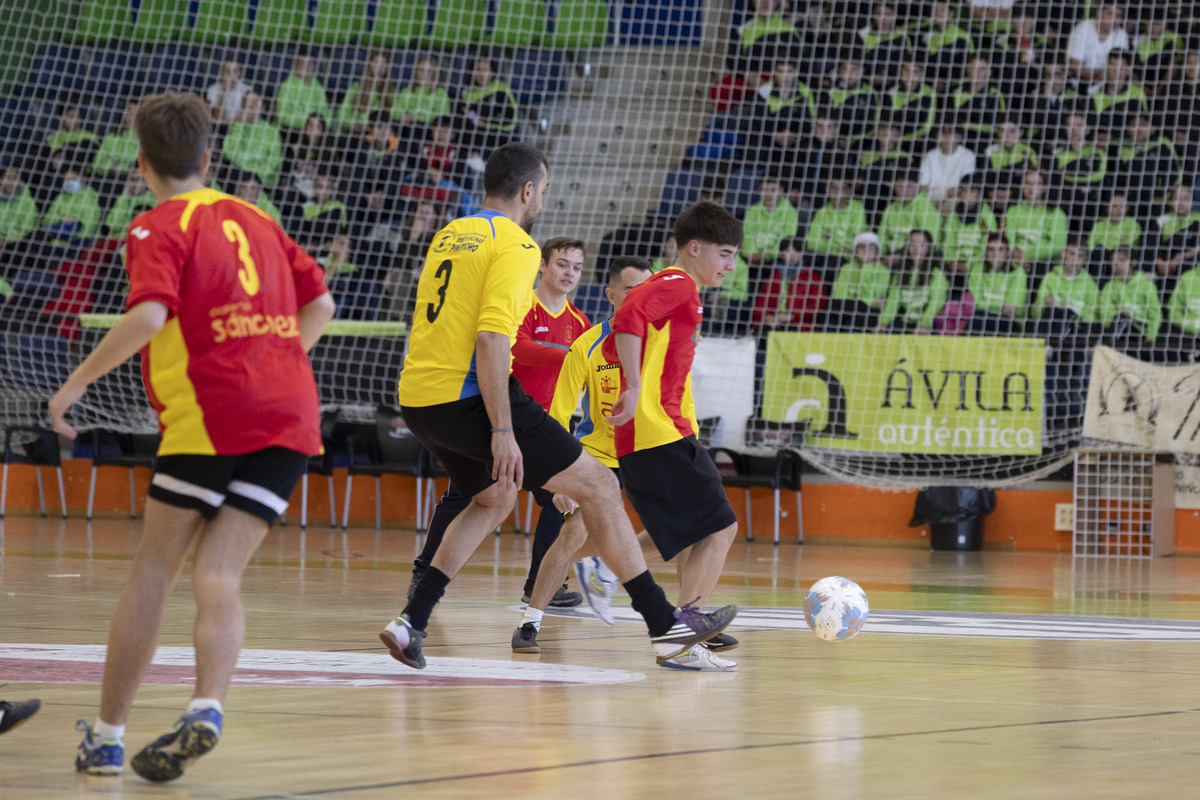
(585, 369)
(478, 276)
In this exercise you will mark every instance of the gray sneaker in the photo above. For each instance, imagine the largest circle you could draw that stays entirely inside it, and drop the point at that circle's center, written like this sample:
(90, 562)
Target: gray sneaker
(563, 598)
(525, 639)
(692, 626)
(404, 642)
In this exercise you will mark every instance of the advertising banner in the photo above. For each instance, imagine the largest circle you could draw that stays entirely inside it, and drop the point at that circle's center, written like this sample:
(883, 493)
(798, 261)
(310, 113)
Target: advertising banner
(908, 394)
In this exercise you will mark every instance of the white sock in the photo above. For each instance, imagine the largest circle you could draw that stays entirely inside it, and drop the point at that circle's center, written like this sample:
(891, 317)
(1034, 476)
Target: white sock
(532, 617)
(199, 703)
(108, 733)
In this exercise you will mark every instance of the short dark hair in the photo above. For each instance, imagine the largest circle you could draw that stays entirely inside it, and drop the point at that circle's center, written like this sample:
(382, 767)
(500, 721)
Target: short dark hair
(510, 167)
(563, 243)
(173, 129)
(790, 243)
(622, 263)
(709, 223)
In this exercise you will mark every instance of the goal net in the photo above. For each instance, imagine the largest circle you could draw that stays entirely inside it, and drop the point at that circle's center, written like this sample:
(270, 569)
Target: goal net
(946, 205)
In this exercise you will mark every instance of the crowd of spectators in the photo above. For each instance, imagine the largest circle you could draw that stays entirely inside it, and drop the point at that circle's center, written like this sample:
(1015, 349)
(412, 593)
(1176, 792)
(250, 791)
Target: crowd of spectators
(362, 180)
(987, 167)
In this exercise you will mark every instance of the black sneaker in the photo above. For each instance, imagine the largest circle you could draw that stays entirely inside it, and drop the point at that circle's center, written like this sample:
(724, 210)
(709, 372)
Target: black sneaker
(194, 734)
(525, 639)
(692, 626)
(720, 642)
(404, 642)
(13, 714)
(563, 598)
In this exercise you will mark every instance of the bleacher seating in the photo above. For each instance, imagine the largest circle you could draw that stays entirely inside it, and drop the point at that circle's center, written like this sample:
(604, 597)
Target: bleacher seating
(458, 23)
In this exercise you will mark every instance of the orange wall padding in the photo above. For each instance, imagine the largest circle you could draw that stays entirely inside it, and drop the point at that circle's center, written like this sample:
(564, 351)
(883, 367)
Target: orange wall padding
(1023, 519)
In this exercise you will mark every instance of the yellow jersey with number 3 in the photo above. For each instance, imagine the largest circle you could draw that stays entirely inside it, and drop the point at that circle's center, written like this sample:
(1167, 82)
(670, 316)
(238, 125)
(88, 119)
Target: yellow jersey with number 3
(478, 276)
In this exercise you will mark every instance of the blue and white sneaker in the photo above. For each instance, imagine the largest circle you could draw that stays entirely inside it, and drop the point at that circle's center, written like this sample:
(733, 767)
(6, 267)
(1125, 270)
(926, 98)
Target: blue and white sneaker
(698, 658)
(599, 586)
(194, 734)
(96, 757)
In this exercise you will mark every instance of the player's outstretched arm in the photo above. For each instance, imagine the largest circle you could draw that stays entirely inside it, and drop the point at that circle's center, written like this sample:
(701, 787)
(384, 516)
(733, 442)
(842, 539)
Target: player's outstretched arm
(131, 333)
(312, 319)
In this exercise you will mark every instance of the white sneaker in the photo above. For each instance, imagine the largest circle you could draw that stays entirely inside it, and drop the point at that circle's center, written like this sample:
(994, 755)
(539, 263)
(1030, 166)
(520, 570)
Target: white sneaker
(698, 659)
(599, 586)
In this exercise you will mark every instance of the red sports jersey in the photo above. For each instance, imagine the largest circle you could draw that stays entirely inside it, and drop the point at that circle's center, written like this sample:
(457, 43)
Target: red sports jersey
(227, 373)
(542, 343)
(665, 312)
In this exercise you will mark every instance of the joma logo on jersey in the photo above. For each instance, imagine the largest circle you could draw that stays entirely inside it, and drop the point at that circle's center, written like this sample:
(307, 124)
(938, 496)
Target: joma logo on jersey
(541, 329)
(139, 232)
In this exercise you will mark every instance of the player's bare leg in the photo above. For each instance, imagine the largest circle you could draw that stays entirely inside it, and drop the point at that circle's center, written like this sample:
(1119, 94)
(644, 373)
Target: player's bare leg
(137, 623)
(557, 561)
(554, 566)
(227, 544)
(486, 510)
(595, 488)
(702, 565)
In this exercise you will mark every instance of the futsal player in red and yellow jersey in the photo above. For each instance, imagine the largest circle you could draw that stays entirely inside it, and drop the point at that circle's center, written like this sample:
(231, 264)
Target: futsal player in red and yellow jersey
(669, 477)
(542, 343)
(224, 308)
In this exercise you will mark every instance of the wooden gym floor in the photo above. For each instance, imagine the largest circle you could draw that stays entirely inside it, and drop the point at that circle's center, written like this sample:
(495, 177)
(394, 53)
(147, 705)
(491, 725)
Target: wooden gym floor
(979, 675)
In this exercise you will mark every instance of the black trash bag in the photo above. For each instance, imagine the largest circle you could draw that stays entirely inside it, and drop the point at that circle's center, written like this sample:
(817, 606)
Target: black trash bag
(954, 515)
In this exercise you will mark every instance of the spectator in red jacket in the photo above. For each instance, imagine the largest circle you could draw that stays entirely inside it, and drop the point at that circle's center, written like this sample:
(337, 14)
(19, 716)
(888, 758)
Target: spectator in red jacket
(792, 296)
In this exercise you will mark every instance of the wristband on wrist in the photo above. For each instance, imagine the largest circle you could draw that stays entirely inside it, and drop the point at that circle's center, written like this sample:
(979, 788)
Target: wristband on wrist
(501, 430)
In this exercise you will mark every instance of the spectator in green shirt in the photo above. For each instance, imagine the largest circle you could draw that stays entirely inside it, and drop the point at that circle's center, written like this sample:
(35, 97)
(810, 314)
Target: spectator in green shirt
(487, 109)
(830, 237)
(1000, 291)
(1176, 241)
(78, 142)
(133, 200)
(253, 144)
(1181, 340)
(667, 255)
(861, 288)
(18, 218)
(918, 288)
(374, 91)
(911, 210)
(967, 228)
(117, 155)
(1116, 230)
(250, 189)
(301, 95)
(1068, 293)
(425, 99)
(1130, 307)
(1038, 232)
(73, 218)
(768, 222)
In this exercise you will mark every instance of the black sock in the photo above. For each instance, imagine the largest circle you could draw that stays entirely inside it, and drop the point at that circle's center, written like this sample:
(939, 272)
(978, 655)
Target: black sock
(429, 591)
(649, 600)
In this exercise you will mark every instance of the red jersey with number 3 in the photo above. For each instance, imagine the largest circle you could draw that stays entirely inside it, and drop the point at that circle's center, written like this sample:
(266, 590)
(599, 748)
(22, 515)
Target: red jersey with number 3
(665, 312)
(542, 343)
(227, 373)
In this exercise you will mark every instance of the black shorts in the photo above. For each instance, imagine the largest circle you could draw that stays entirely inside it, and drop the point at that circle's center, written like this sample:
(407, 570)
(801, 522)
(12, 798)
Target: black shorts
(459, 433)
(258, 483)
(676, 490)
